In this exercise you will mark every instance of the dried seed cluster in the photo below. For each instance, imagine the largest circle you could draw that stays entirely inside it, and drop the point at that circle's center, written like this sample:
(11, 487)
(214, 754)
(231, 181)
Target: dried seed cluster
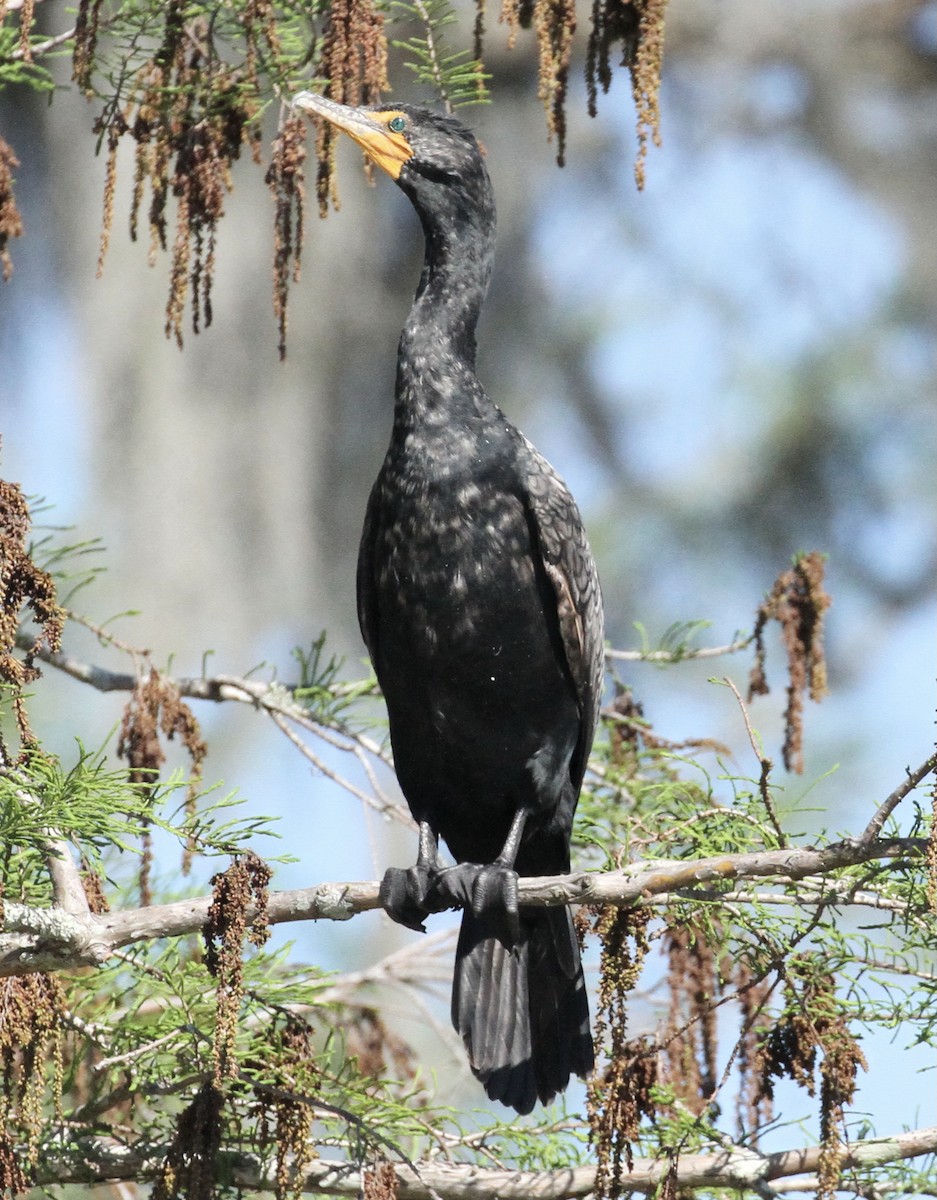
(292, 1118)
(681, 1060)
(12, 1176)
(353, 60)
(190, 1168)
(694, 982)
(813, 1022)
(31, 1010)
(287, 181)
(701, 975)
(620, 1096)
(242, 887)
(798, 603)
(188, 94)
(11, 223)
(379, 1182)
(555, 23)
(638, 25)
(22, 585)
(155, 706)
(93, 887)
(189, 113)
(378, 1049)
(753, 1105)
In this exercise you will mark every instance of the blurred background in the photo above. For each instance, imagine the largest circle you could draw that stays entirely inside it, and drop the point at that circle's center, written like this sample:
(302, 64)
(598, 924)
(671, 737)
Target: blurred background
(734, 365)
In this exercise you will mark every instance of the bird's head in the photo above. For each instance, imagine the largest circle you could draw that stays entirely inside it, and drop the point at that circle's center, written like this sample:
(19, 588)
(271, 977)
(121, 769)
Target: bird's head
(431, 156)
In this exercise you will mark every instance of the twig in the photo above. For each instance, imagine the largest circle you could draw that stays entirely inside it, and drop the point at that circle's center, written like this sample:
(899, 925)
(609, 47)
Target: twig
(677, 656)
(884, 811)
(433, 54)
(414, 962)
(105, 637)
(275, 697)
(137, 1052)
(40, 48)
(382, 806)
(764, 762)
(838, 898)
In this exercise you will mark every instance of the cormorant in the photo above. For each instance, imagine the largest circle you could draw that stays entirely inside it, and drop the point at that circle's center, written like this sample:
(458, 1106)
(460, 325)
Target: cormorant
(480, 605)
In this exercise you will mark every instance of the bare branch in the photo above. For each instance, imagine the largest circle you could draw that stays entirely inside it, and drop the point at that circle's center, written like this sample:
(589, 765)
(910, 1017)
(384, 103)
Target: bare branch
(830, 894)
(38, 49)
(276, 699)
(378, 801)
(230, 687)
(875, 826)
(35, 939)
(96, 1160)
(763, 761)
(67, 887)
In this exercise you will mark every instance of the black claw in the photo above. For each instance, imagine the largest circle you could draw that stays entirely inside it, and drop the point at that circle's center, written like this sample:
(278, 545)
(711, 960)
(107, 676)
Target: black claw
(496, 895)
(456, 885)
(487, 890)
(403, 896)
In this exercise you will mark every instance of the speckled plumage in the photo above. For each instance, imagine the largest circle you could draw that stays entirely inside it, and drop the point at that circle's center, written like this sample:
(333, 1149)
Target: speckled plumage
(480, 605)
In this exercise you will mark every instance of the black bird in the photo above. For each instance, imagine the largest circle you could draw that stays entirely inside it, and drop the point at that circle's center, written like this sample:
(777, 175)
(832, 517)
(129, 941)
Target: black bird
(480, 605)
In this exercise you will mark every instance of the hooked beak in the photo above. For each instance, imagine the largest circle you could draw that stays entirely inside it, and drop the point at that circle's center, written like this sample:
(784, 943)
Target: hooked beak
(387, 149)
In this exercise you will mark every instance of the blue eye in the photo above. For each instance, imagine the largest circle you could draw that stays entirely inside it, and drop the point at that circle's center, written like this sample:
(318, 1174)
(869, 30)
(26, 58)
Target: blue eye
(397, 124)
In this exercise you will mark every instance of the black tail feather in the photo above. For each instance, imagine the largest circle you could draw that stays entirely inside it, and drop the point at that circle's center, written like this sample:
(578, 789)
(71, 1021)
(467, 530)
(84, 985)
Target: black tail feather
(522, 1012)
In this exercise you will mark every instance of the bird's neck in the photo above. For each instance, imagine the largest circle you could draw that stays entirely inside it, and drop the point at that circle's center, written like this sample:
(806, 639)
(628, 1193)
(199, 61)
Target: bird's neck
(436, 356)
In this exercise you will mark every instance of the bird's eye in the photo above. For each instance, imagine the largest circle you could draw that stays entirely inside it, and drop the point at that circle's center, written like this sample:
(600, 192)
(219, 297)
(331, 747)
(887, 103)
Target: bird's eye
(397, 124)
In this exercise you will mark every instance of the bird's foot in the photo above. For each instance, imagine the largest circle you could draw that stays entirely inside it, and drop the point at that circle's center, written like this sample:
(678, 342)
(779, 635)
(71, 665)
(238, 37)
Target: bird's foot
(408, 894)
(487, 890)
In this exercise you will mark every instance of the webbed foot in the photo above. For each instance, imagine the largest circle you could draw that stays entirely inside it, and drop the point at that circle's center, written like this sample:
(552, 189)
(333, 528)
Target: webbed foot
(488, 890)
(408, 894)
(405, 893)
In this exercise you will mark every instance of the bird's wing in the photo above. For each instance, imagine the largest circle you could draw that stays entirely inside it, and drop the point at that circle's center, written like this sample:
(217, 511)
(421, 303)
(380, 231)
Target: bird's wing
(570, 568)
(367, 606)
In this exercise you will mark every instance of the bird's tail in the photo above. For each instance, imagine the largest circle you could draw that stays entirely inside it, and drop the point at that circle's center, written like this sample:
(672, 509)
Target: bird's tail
(522, 1012)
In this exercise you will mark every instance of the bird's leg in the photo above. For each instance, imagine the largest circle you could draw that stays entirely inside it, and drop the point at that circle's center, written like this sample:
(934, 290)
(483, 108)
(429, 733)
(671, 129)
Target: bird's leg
(512, 843)
(408, 894)
(490, 889)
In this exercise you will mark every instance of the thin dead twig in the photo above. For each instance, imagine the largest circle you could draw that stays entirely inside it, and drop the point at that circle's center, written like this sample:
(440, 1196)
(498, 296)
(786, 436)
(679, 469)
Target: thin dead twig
(884, 811)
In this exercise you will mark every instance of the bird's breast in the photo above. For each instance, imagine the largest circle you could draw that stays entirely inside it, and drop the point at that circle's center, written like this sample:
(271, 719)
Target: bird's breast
(449, 556)
(465, 637)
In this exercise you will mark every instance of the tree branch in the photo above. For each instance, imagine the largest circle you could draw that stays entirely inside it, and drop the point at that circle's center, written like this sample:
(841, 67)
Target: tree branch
(67, 887)
(677, 656)
(98, 1160)
(38, 49)
(875, 826)
(278, 700)
(35, 939)
(231, 687)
